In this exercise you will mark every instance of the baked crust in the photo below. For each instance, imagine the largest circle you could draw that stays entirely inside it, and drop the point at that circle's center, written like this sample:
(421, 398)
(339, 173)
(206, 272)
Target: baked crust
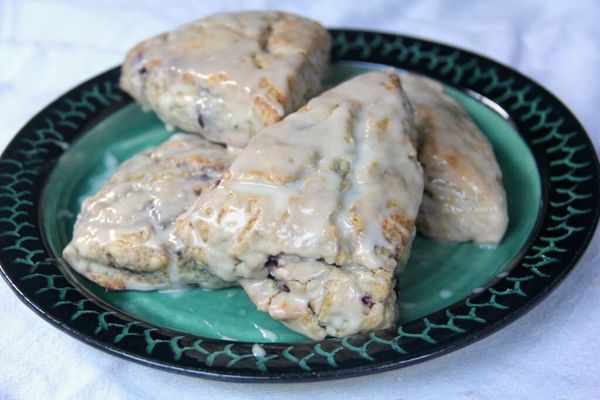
(123, 235)
(317, 214)
(464, 198)
(227, 76)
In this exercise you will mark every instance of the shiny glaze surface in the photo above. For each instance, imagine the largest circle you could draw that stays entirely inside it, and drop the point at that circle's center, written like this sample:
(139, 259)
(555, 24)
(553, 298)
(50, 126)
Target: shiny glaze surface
(227, 76)
(333, 189)
(464, 197)
(123, 237)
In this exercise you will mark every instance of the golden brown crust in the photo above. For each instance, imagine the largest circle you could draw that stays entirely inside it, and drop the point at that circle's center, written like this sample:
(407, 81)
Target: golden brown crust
(397, 229)
(267, 112)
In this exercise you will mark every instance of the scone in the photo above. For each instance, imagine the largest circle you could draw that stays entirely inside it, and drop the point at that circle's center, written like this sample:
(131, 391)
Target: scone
(317, 214)
(123, 237)
(464, 198)
(227, 76)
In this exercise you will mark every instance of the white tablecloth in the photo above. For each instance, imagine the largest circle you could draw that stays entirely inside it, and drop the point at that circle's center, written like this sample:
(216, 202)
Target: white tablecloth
(553, 352)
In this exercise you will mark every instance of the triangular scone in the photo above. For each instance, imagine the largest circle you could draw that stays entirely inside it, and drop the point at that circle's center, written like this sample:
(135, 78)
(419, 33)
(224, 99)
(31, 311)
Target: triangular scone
(123, 237)
(229, 75)
(464, 198)
(317, 214)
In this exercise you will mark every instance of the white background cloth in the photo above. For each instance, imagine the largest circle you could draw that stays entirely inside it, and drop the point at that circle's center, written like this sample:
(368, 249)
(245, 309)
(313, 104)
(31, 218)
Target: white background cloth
(553, 352)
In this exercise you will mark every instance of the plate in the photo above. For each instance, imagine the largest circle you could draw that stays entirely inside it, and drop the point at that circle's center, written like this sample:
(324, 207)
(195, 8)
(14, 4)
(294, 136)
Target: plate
(449, 296)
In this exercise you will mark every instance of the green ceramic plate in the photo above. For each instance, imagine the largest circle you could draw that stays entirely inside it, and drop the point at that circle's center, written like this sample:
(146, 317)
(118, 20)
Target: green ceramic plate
(449, 295)
(437, 275)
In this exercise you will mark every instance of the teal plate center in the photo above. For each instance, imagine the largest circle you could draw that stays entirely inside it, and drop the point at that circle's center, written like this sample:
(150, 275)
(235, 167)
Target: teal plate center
(437, 275)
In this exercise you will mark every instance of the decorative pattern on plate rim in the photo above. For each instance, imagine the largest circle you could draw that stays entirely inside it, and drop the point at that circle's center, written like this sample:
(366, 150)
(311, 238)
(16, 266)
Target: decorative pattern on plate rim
(565, 157)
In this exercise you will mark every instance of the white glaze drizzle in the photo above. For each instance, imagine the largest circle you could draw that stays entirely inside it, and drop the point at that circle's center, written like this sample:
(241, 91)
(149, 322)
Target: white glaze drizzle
(228, 75)
(315, 190)
(141, 200)
(258, 351)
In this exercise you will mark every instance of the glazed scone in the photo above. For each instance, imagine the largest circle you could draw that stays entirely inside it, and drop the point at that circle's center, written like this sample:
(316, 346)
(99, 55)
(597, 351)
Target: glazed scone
(317, 214)
(227, 76)
(464, 198)
(123, 237)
